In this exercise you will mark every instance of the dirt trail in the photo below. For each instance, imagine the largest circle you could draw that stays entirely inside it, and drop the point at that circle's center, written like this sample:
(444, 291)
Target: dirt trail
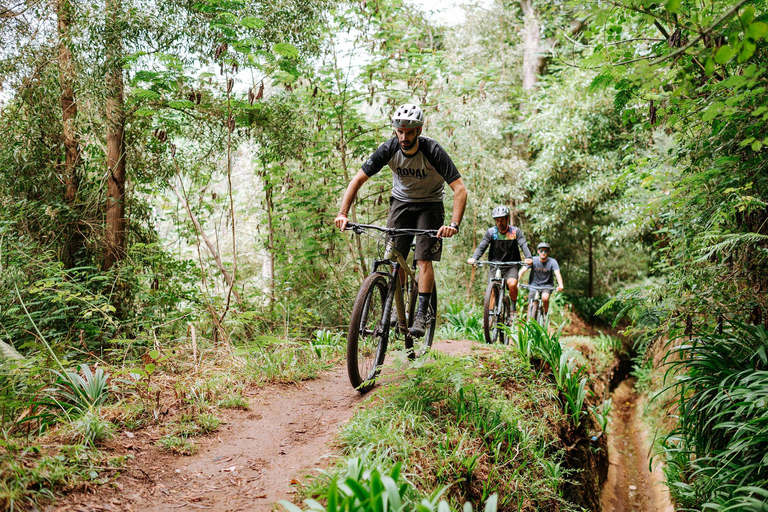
(254, 460)
(631, 487)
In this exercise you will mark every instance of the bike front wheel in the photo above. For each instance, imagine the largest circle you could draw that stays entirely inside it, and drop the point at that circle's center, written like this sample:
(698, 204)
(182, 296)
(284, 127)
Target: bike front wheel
(533, 311)
(503, 321)
(490, 312)
(367, 335)
(420, 346)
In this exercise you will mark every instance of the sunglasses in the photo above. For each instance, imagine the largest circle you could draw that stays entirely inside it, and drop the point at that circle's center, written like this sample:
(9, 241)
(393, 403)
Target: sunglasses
(543, 250)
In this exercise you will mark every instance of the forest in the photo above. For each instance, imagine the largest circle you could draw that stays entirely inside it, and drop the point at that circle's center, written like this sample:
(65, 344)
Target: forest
(169, 177)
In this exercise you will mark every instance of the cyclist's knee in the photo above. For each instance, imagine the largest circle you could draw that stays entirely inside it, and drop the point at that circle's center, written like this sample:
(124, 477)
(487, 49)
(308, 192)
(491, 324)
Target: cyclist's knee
(511, 283)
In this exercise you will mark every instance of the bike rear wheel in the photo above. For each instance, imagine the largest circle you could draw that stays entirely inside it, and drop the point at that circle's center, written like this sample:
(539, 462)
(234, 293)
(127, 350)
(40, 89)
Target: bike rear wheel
(368, 333)
(420, 346)
(490, 312)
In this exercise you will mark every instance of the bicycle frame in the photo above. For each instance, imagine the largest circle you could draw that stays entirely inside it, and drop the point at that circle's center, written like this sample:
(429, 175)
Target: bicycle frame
(500, 313)
(396, 260)
(538, 298)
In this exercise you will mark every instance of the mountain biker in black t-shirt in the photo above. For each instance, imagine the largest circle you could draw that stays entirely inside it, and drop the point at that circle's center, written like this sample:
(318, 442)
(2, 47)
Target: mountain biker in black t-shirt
(505, 242)
(543, 268)
(420, 168)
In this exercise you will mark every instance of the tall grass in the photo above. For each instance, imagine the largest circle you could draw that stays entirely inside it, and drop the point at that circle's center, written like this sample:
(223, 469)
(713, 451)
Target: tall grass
(482, 426)
(461, 321)
(534, 342)
(716, 457)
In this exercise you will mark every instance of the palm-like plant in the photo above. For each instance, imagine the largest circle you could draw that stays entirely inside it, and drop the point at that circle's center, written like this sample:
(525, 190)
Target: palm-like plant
(718, 452)
(76, 394)
(371, 491)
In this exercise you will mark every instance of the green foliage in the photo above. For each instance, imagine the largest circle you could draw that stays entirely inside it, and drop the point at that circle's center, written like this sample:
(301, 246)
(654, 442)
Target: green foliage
(180, 445)
(77, 395)
(27, 478)
(369, 490)
(461, 322)
(481, 426)
(722, 389)
(90, 428)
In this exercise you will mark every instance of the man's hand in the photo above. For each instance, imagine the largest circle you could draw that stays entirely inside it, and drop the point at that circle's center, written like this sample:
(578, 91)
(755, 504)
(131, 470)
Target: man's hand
(471, 261)
(341, 221)
(560, 288)
(446, 232)
(528, 261)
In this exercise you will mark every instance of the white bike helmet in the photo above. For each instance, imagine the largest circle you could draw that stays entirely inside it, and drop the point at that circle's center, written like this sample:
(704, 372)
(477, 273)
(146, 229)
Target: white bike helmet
(408, 116)
(500, 211)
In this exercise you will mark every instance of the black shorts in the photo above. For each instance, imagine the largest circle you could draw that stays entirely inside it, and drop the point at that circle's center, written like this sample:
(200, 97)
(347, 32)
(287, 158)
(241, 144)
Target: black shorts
(506, 273)
(417, 216)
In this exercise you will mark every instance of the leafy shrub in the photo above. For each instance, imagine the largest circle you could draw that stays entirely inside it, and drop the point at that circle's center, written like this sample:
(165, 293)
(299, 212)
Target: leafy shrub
(368, 490)
(78, 395)
(593, 310)
(716, 457)
(462, 321)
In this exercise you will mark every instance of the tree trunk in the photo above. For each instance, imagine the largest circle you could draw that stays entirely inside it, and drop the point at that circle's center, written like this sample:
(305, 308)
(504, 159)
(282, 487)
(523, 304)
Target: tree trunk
(68, 117)
(531, 42)
(115, 207)
(271, 242)
(591, 263)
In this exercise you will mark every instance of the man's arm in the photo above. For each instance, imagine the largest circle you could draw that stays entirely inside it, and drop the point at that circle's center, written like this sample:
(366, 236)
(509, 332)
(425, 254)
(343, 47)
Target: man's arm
(523, 270)
(484, 243)
(460, 194)
(559, 277)
(349, 196)
(524, 246)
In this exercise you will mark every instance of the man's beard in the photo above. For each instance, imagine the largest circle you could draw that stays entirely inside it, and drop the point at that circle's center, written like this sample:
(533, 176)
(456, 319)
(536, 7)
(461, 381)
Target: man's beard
(406, 144)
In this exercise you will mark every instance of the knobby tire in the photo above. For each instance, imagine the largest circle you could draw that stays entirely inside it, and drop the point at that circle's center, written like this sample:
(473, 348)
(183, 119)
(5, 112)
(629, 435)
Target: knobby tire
(533, 311)
(490, 317)
(368, 333)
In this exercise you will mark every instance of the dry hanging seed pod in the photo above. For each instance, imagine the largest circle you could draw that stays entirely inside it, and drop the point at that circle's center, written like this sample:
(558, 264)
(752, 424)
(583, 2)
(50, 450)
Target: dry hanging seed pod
(251, 96)
(230, 84)
(261, 91)
(173, 149)
(222, 48)
(198, 97)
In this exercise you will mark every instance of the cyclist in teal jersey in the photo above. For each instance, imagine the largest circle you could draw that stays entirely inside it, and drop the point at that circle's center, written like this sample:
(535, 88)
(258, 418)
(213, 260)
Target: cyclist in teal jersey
(505, 242)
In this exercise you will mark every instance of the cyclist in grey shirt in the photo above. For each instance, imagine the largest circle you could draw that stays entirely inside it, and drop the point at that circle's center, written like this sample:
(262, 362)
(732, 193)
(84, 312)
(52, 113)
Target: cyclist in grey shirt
(506, 241)
(420, 168)
(543, 268)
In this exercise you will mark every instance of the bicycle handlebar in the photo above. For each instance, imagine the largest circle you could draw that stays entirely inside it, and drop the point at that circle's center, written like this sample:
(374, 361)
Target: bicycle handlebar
(498, 263)
(360, 228)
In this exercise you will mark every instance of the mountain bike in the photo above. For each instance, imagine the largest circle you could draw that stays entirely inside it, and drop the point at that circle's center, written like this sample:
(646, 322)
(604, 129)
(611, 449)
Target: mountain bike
(536, 303)
(383, 289)
(496, 308)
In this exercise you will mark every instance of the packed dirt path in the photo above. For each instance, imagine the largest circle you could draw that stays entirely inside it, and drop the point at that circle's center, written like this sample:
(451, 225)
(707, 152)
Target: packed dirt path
(631, 487)
(255, 460)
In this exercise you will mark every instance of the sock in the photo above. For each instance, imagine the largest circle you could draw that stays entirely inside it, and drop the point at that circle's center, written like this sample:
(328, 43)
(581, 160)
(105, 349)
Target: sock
(423, 303)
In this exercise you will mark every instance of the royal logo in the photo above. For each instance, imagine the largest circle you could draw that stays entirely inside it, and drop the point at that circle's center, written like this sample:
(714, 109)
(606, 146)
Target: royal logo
(405, 172)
